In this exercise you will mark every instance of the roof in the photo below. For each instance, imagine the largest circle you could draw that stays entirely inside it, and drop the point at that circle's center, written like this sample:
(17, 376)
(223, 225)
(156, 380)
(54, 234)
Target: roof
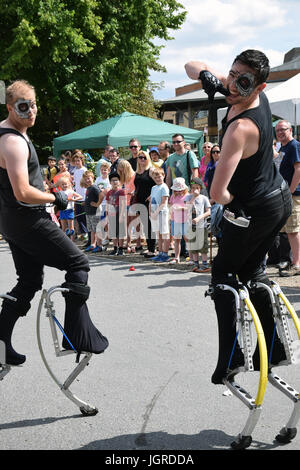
(291, 65)
(201, 95)
(118, 130)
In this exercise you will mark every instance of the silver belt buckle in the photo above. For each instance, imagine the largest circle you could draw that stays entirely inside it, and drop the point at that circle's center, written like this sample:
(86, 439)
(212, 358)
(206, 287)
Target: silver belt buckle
(239, 221)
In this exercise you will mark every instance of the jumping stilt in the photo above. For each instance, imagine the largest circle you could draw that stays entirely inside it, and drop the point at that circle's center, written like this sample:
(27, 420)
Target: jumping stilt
(282, 311)
(84, 407)
(246, 320)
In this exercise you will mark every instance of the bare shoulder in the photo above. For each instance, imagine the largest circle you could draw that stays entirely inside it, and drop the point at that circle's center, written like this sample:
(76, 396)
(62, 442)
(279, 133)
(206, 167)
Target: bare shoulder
(12, 148)
(244, 125)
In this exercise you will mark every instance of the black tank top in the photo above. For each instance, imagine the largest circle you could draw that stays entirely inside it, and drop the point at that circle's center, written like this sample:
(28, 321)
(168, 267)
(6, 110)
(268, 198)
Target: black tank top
(7, 197)
(257, 175)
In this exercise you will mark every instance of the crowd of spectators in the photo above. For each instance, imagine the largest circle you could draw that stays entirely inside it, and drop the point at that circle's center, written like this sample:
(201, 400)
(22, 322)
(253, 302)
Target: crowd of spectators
(156, 203)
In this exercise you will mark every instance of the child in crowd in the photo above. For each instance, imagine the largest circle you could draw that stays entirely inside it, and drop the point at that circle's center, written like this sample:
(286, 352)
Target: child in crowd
(77, 160)
(50, 207)
(159, 214)
(91, 204)
(117, 216)
(103, 183)
(197, 234)
(67, 216)
(51, 170)
(179, 214)
(155, 157)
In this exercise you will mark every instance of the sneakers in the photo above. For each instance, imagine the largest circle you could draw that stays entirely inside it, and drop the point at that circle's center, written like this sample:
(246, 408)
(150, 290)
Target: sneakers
(90, 248)
(204, 268)
(283, 265)
(97, 249)
(292, 271)
(161, 258)
(114, 251)
(120, 252)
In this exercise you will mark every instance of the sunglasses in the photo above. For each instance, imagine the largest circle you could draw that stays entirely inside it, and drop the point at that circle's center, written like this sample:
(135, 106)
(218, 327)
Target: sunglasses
(215, 151)
(133, 146)
(142, 158)
(177, 141)
(283, 129)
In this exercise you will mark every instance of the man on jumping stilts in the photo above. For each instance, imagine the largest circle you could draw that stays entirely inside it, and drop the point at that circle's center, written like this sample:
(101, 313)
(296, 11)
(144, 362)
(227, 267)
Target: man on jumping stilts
(34, 240)
(257, 200)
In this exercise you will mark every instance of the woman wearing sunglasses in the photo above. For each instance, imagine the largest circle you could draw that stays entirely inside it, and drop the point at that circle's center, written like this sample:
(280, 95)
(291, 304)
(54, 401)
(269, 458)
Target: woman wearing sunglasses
(143, 183)
(210, 169)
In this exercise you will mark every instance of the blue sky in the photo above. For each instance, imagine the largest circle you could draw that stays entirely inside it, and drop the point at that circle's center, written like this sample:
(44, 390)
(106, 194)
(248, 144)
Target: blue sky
(215, 31)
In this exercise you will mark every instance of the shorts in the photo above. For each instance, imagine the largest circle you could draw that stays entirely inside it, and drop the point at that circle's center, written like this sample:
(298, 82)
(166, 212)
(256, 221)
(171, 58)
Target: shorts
(92, 222)
(178, 229)
(160, 224)
(293, 223)
(195, 239)
(67, 214)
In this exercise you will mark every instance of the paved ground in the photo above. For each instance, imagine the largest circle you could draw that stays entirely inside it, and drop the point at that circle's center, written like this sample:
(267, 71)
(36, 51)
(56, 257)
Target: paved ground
(152, 386)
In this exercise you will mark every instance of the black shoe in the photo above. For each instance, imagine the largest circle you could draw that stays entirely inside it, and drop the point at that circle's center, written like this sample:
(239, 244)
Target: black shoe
(148, 255)
(13, 358)
(120, 252)
(220, 374)
(283, 265)
(114, 251)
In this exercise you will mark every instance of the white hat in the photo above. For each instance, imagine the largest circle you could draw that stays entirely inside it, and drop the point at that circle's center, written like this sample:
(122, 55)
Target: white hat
(179, 184)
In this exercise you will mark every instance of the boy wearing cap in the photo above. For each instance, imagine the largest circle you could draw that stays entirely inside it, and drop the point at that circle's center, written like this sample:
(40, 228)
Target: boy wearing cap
(51, 170)
(155, 157)
(159, 214)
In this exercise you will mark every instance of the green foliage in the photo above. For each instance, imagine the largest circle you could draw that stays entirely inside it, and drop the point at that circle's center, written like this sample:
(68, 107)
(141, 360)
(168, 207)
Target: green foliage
(87, 59)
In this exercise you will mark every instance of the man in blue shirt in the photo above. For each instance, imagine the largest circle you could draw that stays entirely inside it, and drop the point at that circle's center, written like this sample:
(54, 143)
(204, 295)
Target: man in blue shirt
(290, 170)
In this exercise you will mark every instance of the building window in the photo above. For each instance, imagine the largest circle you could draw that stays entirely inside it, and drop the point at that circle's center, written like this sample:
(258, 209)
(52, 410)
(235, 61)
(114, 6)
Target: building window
(179, 117)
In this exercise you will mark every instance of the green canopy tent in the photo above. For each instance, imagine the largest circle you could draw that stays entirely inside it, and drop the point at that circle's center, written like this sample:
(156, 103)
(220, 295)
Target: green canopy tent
(118, 130)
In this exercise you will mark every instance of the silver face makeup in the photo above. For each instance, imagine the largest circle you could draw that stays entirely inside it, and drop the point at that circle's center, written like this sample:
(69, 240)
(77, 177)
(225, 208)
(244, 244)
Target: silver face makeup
(245, 84)
(23, 108)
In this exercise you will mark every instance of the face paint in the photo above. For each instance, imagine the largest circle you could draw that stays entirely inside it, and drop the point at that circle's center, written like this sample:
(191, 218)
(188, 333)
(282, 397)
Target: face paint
(245, 84)
(23, 107)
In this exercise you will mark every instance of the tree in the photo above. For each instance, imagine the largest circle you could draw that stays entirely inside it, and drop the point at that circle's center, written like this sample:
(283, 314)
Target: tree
(87, 59)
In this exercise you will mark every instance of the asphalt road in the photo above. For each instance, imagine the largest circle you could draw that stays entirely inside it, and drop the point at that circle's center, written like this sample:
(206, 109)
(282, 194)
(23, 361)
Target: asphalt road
(152, 386)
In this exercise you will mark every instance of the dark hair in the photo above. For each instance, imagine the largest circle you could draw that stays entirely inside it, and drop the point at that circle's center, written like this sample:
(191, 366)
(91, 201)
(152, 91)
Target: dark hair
(257, 61)
(134, 140)
(211, 151)
(114, 175)
(177, 135)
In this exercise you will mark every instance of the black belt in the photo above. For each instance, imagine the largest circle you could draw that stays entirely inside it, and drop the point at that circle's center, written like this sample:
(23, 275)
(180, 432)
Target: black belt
(255, 202)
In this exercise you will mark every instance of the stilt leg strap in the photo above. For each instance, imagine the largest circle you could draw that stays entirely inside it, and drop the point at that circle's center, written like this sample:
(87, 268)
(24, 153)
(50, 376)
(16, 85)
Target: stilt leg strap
(77, 288)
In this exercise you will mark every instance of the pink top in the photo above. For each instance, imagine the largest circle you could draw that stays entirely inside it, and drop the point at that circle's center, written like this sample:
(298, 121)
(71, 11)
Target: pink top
(179, 212)
(129, 188)
(202, 169)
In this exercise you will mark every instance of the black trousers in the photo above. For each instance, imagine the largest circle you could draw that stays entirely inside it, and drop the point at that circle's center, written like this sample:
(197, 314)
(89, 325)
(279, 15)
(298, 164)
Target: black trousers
(240, 256)
(80, 217)
(45, 244)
